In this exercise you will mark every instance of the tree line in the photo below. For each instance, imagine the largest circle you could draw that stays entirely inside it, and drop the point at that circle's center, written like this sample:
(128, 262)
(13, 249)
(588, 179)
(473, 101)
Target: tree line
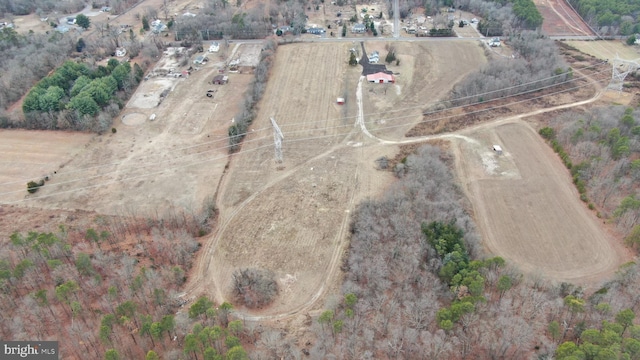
(26, 7)
(20, 69)
(80, 98)
(601, 148)
(254, 93)
(610, 17)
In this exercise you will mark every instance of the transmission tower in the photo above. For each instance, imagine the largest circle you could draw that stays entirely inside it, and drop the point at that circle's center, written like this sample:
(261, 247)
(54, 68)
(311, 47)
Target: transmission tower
(621, 68)
(277, 140)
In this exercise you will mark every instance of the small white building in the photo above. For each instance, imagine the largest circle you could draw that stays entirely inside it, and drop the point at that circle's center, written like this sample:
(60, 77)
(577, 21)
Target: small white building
(497, 149)
(120, 52)
(215, 47)
(359, 28)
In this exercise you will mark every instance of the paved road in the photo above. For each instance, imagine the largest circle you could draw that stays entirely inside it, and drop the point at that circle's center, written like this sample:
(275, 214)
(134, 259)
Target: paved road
(387, 39)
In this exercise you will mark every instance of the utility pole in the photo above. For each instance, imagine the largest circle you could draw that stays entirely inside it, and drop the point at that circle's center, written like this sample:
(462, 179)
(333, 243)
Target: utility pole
(277, 140)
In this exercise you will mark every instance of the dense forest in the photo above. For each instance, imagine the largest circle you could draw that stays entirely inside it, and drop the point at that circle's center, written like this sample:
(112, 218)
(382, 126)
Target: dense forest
(610, 17)
(77, 97)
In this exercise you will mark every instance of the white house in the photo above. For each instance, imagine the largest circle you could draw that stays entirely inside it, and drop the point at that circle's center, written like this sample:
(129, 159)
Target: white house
(214, 47)
(120, 52)
(359, 28)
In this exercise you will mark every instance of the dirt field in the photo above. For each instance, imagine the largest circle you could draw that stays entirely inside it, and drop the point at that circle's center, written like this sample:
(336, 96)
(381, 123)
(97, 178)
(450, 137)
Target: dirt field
(560, 19)
(30, 155)
(528, 209)
(181, 152)
(607, 49)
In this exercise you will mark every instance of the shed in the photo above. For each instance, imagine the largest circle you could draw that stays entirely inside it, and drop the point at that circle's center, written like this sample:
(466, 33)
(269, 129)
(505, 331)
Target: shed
(220, 79)
(381, 78)
(497, 149)
(340, 101)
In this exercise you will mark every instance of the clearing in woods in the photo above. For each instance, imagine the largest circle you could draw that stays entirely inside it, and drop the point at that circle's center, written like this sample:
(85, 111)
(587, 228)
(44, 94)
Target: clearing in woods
(292, 218)
(528, 209)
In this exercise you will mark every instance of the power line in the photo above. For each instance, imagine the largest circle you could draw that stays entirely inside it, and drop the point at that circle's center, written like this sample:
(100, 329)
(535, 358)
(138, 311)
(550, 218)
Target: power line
(294, 140)
(289, 125)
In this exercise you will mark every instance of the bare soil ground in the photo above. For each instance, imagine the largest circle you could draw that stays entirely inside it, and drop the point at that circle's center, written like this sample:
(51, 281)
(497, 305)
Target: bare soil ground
(174, 160)
(31, 155)
(529, 210)
(560, 19)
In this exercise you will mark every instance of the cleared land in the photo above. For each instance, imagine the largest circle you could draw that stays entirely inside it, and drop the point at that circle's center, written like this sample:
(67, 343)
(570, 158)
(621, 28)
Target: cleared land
(292, 218)
(560, 19)
(150, 165)
(527, 208)
(30, 155)
(607, 49)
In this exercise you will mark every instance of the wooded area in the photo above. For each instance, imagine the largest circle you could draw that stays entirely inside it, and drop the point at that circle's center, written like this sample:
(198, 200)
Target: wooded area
(111, 289)
(408, 293)
(74, 96)
(27, 59)
(536, 66)
(603, 154)
(610, 17)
